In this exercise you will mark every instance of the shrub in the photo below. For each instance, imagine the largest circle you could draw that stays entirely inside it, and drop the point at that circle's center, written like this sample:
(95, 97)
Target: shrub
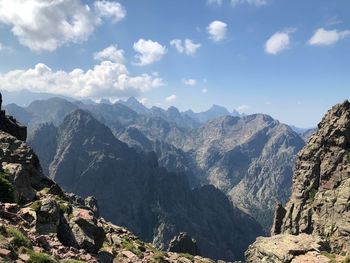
(6, 189)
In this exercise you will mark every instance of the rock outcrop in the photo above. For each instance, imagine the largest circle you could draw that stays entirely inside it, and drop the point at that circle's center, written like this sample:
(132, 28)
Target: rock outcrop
(10, 125)
(319, 207)
(183, 243)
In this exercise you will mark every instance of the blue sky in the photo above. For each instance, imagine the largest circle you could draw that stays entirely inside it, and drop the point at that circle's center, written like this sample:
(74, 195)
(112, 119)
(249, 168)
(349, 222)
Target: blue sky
(289, 59)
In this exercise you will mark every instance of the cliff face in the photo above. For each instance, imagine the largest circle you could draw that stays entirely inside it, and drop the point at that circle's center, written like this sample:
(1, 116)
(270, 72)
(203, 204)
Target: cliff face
(319, 206)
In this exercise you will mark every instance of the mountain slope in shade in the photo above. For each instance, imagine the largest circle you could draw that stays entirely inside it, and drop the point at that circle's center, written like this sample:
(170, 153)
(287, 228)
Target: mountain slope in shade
(135, 192)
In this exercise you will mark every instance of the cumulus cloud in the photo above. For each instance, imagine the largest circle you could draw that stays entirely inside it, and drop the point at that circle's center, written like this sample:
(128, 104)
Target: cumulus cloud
(171, 98)
(204, 90)
(215, 2)
(250, 2)
(110, 10)
(47, 25)
(187, 46)
(278, 42)
(189, 82)
(242, 108)
(149, 52)
(111, 53)
(217, 30)
(323, 37)
(105, 80)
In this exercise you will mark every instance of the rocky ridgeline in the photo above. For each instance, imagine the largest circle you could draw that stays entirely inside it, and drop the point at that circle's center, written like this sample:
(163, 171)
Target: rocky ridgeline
(41, 223)
(315, 224)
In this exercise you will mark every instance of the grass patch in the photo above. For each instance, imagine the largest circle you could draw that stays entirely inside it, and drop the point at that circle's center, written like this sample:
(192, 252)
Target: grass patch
(188, 256)
(6, 188)
(19, 240)
(36, 205)
(71, 261)
(330, 256)
(35, 257)
(129, 245)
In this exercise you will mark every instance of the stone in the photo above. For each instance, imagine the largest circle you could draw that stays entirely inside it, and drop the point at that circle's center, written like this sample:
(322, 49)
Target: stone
(283, 248)
(5, 253)
(280, 212)
(87, 234)
(183, 243)
(48, 216)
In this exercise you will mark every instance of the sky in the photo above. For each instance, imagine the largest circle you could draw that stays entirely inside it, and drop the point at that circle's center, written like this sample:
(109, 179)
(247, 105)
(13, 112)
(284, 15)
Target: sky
(289, 59)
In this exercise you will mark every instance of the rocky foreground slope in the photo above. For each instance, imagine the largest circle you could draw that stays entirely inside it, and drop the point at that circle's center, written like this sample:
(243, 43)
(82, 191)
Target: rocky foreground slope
(315, 224)
(41, 223)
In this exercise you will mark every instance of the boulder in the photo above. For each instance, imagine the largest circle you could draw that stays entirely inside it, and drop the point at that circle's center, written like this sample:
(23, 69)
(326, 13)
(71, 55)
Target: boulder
(283, 248)
(87, 234)
(48, 216)
(183, 243)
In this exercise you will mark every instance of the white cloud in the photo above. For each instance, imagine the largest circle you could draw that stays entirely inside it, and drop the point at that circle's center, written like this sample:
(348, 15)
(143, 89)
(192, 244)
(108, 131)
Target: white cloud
(242, 108)
(278, 42)
(105, 80)
(189, 82)
(187, 46)
(171, 98)
(215, 2)
(47, 25)
(250, 2)
(204, 90)
(217, 30)
(149, 52)
(111, 53)
(5, 48)
(323, 37)
(111, 10)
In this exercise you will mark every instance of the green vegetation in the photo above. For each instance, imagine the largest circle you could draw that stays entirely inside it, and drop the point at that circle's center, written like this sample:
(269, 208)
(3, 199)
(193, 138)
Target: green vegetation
(19, 240)
(311, 194)
(71, 261)
(36, 205)
(347, 260)
(129, 245)
(40, 258)
(6, 188)
(159, 257)
(332, 257)
(188, 256)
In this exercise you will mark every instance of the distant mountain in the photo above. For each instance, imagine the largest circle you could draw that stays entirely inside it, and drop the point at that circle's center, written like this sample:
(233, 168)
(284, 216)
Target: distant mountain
(134, 191)
(135, 105)
(25, 97)
(214, 112)
(250, 158)
(303, 132)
